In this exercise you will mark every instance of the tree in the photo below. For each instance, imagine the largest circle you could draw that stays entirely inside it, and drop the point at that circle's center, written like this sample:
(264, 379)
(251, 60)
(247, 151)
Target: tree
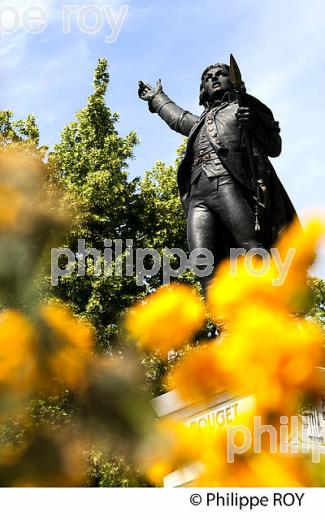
(163, 212)
(90, 163)
(21, 134)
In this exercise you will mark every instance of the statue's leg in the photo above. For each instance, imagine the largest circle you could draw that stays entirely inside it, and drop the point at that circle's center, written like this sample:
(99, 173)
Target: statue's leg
(230, 204)
(206, 231)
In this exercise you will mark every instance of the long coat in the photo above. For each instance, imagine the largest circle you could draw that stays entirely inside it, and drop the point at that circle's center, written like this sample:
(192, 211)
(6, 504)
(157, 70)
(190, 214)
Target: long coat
(226, 138)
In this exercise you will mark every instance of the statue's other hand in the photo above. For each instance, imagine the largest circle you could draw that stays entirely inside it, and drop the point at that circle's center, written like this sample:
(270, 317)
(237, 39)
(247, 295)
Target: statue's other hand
(246, 117)
(147, 92)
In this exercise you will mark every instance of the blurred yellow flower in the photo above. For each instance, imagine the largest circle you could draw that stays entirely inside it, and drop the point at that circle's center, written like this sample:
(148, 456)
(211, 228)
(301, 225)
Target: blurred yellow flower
(25, 200)
(230, 292)
(174, 445)
(268, 354)
(167, 319)
(259, 470)
(235, 285)
(199, 374)
(72, 346)
(158, 471)
(305, 242)
(18, 364)
(272, 356)
(248, 469)
(10, 203)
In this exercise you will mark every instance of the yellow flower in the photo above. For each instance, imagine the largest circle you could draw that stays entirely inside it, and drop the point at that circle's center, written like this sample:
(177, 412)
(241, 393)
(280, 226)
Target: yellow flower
(272, 356)
(167, 319)
(10, 203)
(158, 470)
(260, 470)
(232, 290)
(304, 242)
(174, 445)
(199, 375)
(72, 346)
(17, 351)
(236, 285)
(26, 198)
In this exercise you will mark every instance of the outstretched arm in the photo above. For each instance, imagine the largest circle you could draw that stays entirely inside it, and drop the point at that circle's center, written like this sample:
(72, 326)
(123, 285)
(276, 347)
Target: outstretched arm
(176, 118)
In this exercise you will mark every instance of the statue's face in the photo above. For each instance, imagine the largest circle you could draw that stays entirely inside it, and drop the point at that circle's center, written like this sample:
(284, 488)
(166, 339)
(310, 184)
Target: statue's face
(216, 83)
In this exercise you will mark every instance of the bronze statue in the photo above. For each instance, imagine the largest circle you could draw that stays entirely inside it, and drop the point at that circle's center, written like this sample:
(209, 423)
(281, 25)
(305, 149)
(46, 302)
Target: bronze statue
(228, 187)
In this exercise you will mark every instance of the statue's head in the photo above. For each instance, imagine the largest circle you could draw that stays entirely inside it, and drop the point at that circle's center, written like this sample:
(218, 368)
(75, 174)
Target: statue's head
(215, 81)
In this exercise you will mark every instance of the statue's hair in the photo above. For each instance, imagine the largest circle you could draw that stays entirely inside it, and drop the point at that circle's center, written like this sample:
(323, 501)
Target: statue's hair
(223, 66)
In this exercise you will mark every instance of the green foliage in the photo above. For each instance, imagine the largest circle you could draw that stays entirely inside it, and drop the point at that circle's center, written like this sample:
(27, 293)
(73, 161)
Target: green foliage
(108, 470)
(53, 411)
(11, 433)
(49, 411)
(17, 131)
(317, 308)
(163, 212)
(22, 134)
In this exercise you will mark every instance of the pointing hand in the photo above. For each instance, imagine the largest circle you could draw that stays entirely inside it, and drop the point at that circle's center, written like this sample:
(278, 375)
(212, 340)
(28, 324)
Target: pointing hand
(147, 92)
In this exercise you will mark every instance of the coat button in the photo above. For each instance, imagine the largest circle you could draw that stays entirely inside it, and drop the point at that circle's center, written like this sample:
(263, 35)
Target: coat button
(210, 128)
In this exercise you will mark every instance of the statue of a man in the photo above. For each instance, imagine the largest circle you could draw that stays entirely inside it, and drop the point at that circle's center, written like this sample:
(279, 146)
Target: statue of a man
(218, 192)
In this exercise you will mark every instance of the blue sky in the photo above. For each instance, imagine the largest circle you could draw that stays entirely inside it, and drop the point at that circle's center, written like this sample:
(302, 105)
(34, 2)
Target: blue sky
(279, 45)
